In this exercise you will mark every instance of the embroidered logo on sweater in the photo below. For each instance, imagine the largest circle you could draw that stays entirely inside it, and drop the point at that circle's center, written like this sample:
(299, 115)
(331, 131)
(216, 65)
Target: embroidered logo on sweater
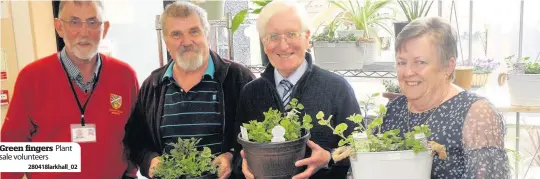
(116, 101)
(116, 104)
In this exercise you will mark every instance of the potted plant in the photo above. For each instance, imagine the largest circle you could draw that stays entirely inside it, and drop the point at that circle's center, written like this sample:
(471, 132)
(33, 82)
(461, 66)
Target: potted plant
(412, 9)
(392, 90)
(365, 18)
(482, 68)
(186, 162)
(523, 81)
(464, 74)
(328, 46)
(273, 145)
(372, 153)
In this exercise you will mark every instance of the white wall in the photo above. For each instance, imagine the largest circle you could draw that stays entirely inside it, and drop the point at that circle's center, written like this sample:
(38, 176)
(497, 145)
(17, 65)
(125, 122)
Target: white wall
(132, 36)
(24, 39)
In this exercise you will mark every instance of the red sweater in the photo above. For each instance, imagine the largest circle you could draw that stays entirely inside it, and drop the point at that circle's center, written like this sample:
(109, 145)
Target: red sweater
(43, 108)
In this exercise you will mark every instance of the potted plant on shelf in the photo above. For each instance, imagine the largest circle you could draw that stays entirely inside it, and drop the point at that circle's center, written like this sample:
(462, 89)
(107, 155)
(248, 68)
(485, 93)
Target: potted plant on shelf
(186, 162)
(272, 146)
(392, 90)
(334, 52)
(372, 153)
(412, 9)
(366, 18)
(482, 68)
(523, 81)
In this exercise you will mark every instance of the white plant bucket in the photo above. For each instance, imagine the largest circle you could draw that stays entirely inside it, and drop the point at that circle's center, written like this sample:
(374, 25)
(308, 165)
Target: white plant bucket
(371, 53)
(392, 165)
(338, 55)
(524, 89)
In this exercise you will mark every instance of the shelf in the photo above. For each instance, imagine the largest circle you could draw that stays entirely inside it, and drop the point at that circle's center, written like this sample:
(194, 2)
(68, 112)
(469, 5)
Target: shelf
(376, 70)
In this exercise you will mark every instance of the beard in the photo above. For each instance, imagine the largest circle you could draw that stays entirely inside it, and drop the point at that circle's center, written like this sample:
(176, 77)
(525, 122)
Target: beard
(82, 54)
(189, 63)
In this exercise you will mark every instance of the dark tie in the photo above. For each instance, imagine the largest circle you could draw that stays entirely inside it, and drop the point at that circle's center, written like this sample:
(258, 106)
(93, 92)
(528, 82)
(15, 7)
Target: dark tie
(287, 92)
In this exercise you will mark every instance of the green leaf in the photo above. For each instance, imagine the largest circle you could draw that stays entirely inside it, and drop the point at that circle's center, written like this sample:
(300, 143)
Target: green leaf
(356, 118)
(306, 122)
(261, 3)
(257, 11)
(375, 123)
(340, 128)
(300, 106)
(375, 95)
(238, 19)
(342, 142)
(323, 122)
(382, 110)
(320, 115)
(294, 102)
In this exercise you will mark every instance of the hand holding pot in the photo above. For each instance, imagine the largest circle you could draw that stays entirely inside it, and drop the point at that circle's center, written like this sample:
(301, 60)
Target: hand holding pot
(223, 161)
(319, 158)
(245, 168)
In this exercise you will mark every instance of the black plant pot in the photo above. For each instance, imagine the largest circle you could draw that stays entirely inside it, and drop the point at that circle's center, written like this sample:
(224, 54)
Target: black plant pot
(274, 160)
(206, 176)
(398, 26)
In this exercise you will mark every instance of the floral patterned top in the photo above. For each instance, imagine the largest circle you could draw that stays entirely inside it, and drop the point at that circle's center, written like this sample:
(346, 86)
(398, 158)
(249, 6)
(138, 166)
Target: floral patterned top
(469, 127)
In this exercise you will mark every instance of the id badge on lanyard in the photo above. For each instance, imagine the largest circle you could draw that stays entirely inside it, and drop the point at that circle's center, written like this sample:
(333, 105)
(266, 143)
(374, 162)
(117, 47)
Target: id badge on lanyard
(81, 132)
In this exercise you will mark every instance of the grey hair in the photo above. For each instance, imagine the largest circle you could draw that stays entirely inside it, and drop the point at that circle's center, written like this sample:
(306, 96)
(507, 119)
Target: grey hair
(441, 33)
(277, 6)
(98, 3)
(181, 9)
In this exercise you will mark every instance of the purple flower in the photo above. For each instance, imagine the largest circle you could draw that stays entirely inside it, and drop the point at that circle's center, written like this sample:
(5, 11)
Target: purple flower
(484, 64)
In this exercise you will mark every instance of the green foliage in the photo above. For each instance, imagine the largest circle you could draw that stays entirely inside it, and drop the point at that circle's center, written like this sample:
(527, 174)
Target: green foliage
(414, 9)
(238, 19)
(241, 16)
(531, 67)
(261, 132)
(364, 17)
(391, 86)
(329, 36)
(329, 33)
(373, 141)
(185, 160)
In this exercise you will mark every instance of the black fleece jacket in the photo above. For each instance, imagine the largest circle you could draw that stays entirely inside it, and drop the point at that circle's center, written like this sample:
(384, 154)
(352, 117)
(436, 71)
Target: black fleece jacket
(142, 135)
(318, 90)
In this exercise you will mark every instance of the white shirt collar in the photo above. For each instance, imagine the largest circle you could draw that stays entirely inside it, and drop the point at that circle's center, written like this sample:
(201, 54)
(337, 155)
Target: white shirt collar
(295, 76)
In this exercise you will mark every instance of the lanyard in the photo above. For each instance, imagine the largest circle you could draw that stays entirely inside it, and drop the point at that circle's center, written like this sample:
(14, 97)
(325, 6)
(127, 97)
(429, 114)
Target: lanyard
(82, 109)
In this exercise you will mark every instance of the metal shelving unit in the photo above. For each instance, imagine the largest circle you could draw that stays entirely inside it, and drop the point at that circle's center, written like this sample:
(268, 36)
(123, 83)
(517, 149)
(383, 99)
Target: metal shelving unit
(376, 70)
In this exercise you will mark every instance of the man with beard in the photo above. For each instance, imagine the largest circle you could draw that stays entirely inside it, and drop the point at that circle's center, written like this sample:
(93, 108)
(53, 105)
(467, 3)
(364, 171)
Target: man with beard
(195, 95)
(76, 89)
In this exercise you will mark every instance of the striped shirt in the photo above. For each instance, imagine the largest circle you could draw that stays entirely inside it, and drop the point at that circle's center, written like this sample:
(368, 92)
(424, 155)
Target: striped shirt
(193, 114)
(75, 74)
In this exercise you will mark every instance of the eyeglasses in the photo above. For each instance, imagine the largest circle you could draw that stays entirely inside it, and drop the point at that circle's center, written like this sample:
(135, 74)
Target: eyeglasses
(275, 38)
(76, 23)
